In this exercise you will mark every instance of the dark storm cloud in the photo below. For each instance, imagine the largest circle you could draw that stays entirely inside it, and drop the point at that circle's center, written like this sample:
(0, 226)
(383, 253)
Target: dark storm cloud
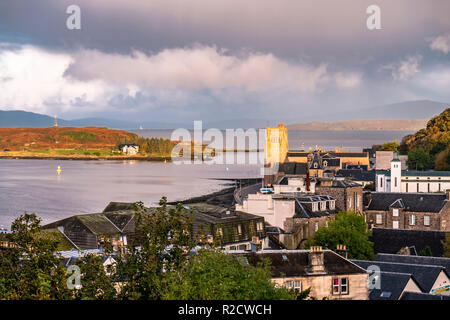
(249, 57)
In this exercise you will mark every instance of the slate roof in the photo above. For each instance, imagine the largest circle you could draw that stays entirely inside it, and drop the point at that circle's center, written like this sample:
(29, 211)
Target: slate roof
(412, 202)
(408, 173)
(296, 262)
(392, 240)
(297, 153)
(392, 284)
(336, 183)
(399, 258)
(331, 162)
(425, 275)
(303, 210)
(118, 206)
(98, 224)
(423, 296)
(357, 174)
(293, 168)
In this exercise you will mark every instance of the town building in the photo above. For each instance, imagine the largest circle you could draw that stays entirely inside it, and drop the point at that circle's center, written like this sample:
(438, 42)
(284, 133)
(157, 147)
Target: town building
(431, 279)
(393, 286)
(232, 230)
(276, 145)
(345, 158)
(413, 211)
(327, 274)
(129, 149)
(383, 160)
(360, 176)
(398, 180)
(348, 194)
(410, 242)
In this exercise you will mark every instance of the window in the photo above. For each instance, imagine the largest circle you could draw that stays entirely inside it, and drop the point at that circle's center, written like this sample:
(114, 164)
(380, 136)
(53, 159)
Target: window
(412, 220)
(358, 201)
(395, 183)
(332, 204)
(407, 187)
(379, 218)
(428, 188)
(325, 163)
(344, 286)
(259, 226)
(293, 284)
(395, 225)
(395, 212)
(340, 286)
(349, 202)
(316, 226)
(323, 205)
(326, 223)
(315, 165)
(426, 220)
(239, 229)
(219, 232)
(381, 182)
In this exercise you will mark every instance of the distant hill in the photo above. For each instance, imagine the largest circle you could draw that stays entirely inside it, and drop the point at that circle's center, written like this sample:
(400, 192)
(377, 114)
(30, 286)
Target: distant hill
(368, 125)
(19, 119)
(61, 138)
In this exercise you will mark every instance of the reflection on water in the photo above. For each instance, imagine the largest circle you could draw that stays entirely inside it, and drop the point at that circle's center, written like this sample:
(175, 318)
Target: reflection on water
(88, 186)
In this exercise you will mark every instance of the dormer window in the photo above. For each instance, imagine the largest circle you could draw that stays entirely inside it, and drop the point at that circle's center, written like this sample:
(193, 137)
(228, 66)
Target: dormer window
(323, 206)
(332, 204)
(325, 163)
(314, 206)
(315, 165)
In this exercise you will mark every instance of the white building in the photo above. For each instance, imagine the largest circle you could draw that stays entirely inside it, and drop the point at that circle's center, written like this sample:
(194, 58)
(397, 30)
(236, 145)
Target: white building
(398, 180)
(129, 149)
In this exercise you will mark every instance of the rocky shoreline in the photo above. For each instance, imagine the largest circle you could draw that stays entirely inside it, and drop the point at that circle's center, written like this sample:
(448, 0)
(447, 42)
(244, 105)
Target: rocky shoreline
(224, 197)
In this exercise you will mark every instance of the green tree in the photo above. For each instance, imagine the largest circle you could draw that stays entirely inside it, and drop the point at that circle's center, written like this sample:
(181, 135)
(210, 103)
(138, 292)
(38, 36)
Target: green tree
(31, 270)
(426, 252)
(349, 229)
(389, 146)
(419, 159)
(213, 275)
(96, 284)
(161, 245)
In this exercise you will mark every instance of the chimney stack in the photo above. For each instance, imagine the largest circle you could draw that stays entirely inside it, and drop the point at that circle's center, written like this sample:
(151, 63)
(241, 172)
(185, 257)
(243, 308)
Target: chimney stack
(341, 250)
(316, 263)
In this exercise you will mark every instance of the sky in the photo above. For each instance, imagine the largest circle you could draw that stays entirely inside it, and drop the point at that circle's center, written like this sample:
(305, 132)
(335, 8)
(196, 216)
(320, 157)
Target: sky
(178, 60)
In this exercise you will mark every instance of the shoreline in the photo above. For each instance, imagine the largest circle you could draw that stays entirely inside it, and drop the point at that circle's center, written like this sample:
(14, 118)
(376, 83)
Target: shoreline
(73, 158)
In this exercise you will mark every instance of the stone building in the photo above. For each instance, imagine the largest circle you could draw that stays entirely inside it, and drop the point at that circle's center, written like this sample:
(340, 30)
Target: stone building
(348, 194)
(276, 145)
(327, 274)
(412, 211)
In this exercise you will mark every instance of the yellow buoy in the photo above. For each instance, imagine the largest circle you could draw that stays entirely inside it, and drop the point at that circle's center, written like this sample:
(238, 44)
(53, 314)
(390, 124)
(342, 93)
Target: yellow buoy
(59, 169)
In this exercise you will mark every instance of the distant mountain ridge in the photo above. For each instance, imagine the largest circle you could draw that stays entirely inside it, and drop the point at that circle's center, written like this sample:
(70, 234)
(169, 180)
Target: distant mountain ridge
(19, 118)
(359, 125)
(409, 110)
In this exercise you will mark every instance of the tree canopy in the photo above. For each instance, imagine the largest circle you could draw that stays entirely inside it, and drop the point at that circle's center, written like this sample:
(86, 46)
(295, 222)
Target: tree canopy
(348, 229)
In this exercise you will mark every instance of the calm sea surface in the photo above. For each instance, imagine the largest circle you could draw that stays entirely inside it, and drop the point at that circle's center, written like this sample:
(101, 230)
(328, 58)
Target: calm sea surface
(88, 186)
